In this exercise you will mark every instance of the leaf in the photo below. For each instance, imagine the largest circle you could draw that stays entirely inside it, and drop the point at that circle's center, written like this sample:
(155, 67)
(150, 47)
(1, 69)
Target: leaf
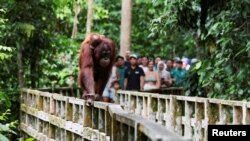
(217, 86)
(30, 139)
(4, 128)
(3, 138)
(5, 98)
(240, 92)
(198, 65)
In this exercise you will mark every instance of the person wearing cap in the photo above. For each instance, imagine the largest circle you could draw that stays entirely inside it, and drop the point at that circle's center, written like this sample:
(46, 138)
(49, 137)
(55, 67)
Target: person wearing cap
(134, 75)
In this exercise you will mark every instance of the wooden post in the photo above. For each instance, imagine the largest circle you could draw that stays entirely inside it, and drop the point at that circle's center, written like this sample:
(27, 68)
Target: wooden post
(237, 115)
(199, 115)
(224, 114)
(68, 110)
(87, 121)
(139, 104)
(124, 132)
(51, 105)
(145, 107)
(189, 110)
(172, 119)
(161, 110)
(95, 119)
(108, 123)
(115, 129)
(101, 120)
(40, 103)
(131, 133)
(75, 113)
(246, 114)
(167, 114)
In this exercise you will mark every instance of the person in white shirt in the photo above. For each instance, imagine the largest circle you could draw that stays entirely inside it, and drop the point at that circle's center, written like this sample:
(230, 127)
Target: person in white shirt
(144, 64)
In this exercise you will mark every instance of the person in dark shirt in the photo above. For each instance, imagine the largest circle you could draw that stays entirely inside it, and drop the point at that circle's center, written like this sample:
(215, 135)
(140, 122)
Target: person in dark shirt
(134, 75)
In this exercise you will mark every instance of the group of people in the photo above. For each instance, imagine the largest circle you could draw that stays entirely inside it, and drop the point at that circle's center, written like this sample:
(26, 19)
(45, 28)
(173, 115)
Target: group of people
(142, 74)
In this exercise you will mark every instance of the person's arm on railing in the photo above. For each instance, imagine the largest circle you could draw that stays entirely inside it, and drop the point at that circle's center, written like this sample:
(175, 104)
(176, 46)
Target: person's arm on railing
(125, 83)
(125, 79)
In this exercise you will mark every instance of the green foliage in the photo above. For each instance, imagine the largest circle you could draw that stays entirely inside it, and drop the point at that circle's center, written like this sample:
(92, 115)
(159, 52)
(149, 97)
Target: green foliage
(6, 127)
(228, 61)
(30, 139)
(64, 59)
(5, 52)
(107, 19)
(159, 39)
(4, 99)
(220, 32)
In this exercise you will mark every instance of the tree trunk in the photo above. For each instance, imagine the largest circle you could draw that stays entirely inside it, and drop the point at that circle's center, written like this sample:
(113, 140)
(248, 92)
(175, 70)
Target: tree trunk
(89, 16)
(20, 67)
(33, 68)
(77, 9)
(125, 41)
(200, 44)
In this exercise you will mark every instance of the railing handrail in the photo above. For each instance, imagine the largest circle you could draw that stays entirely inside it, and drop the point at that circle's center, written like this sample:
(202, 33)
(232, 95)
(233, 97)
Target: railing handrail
(189, 98)
(188, 116)
(34, 106)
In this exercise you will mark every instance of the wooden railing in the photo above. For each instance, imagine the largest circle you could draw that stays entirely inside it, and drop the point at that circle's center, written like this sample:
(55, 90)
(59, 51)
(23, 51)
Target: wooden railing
(51, 116)
(187, 116)
(76, 92)
(65, 91)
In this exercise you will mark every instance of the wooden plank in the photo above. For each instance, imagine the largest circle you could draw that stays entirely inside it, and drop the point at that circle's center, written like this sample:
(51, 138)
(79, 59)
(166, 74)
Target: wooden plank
(226, 102)
(87, 117)
(32, 132)
(45, 94)
(246, 114)
(224, 114)
(69, 109)
(77, 101)
(237, 115)
(199, 115)
(189, 110)
(101, 105)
